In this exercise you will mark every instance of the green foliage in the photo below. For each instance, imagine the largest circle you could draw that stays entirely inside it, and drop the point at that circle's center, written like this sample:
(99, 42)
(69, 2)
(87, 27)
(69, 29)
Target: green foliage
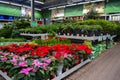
(6, 31)
(50, 29)
(12, 29)
(21, 24)
(12, 40)
(51, 41)
(88, 43)
(106, 25)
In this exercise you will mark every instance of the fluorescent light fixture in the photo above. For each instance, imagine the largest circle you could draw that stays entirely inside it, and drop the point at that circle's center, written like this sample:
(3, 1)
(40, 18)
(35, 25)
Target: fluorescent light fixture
(80, 3)
(61, 7)
(71, 5)
(83, 2)
(15, 4)
(38, 9)
(96, 1)
(25, 6)
(52, 8)
(38, 2)
(4, 2)
(30, 7)
(88, 2)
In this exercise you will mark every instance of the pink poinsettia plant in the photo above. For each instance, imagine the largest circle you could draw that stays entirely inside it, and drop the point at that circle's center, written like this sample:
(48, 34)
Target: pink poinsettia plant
(26, 67)
(27, 62)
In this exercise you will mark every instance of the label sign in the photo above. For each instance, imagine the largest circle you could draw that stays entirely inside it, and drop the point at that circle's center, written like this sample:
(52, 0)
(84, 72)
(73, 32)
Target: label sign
(59, 12)
(34, 23)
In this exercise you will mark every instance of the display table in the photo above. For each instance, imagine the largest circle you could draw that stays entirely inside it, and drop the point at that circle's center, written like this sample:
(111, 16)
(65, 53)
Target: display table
(5, 76)
(79, 37)
(91, 38)
(63, 75)
(43, 36)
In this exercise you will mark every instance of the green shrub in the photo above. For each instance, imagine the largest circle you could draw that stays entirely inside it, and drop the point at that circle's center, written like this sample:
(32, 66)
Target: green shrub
(6, 31)
(21, 24)
(106, 25)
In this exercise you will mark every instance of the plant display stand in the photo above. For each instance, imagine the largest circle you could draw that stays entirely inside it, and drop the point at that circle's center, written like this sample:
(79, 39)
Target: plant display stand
(92, 38)
(79, 37)
(61, 76)
(7, 43)
(43, 36)
(5, 76)
(68, 72)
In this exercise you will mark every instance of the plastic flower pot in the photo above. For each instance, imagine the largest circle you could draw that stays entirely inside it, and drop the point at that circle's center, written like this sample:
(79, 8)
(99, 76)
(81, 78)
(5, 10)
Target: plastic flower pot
(60, 69)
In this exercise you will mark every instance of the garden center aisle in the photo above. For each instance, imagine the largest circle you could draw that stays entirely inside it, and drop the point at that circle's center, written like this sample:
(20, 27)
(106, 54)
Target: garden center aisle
(105, 67)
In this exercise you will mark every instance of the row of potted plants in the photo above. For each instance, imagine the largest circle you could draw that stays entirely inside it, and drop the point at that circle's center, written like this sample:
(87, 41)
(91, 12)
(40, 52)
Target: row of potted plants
(50, 29)
(35, 62)
(78, 28)
(51, 41)
(12, 40)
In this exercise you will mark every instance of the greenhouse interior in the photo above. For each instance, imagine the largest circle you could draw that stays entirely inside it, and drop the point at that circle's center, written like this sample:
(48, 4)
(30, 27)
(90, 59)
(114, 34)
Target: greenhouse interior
(59, 39)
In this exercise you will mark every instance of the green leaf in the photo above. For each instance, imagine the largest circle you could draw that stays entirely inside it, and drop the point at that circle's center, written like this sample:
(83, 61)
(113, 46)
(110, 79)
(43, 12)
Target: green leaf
(29, 62)
(16, 67)
(55, 67)
(20, 76)
(32, 73)
(52, 72)
(43, 72)
(31, 78)
(26, 78)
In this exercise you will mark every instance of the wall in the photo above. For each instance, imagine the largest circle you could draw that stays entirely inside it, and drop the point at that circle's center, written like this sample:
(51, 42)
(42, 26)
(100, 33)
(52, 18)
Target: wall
(74, 11)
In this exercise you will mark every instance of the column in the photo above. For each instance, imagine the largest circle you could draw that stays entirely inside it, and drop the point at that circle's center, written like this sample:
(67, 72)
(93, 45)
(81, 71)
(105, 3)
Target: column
(32, 11)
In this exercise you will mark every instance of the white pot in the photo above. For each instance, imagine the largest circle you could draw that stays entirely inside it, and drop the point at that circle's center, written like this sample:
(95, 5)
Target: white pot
(60, 68)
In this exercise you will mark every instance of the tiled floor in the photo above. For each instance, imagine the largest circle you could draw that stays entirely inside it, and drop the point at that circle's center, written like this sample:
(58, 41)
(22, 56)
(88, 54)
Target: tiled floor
(105, 67)
(1, 78)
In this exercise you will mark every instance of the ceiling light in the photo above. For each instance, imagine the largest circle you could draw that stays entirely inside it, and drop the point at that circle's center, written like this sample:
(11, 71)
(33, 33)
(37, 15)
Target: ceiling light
(38, 2)
(15, 4)
(61, 7)
(37, 9)
(52, 8)
(4, 2)
(71, 5)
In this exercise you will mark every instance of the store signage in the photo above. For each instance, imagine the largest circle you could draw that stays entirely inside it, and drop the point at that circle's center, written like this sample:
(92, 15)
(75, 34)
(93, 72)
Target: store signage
(39, 22)
(25, 11)
(58, 12)
(99, 7)
(34, 23)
